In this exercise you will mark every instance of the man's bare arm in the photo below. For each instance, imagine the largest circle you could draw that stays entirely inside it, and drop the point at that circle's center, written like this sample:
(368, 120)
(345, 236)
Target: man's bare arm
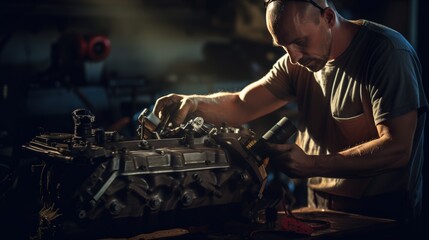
(233, 108)
(391, 150)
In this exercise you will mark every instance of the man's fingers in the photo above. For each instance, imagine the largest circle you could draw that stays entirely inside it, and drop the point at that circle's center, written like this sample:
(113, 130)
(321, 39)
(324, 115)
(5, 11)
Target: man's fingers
(159, 105)
(181, 114)
(187, 106)
(280, 147)
(176, 106)
(165, 101)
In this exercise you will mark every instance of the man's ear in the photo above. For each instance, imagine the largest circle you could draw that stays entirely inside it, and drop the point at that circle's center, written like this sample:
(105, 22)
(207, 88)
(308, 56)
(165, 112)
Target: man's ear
(330, 16)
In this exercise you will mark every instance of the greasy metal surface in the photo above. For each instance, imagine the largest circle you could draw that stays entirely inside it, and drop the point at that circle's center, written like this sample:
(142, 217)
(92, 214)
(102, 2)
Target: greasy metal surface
(99, 185)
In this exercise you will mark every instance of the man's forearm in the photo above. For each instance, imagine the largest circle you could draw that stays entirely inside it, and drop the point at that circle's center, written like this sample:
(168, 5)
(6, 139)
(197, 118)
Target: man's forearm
(235, 109)
(391, 150)
(220, 107)
(371, 158)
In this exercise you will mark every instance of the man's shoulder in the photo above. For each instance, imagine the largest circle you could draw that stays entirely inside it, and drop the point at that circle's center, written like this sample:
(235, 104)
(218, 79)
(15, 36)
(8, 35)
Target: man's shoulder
(385, 37)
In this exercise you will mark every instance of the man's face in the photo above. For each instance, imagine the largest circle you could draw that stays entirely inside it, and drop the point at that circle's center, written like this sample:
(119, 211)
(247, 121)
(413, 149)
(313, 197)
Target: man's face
(303, 34)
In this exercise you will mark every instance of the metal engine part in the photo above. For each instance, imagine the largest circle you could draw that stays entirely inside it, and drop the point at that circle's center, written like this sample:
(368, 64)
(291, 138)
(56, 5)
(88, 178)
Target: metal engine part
(95, 184)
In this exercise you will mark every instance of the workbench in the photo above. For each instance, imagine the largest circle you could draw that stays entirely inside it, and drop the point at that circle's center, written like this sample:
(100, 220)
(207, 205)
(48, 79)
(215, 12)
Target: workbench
(341, 226)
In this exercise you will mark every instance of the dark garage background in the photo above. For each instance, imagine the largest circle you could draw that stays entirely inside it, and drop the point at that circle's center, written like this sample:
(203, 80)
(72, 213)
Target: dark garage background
(156, 47)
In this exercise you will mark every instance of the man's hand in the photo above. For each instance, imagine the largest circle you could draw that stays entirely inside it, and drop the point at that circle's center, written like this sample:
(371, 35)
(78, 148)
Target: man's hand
(291, 159)
(184, 104)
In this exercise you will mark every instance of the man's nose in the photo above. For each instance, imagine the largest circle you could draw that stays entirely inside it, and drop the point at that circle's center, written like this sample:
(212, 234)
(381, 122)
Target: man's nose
(294, 54)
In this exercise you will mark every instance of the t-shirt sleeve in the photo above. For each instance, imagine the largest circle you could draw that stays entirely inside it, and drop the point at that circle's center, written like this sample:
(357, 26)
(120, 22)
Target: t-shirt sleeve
(279, 81)
(395, 86)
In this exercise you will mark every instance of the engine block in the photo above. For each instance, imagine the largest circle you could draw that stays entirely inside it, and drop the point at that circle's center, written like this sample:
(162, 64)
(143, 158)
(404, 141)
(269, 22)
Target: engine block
(95, 184)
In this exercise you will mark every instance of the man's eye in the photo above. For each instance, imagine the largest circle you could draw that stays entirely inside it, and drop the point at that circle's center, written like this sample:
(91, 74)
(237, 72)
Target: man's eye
(301, 43)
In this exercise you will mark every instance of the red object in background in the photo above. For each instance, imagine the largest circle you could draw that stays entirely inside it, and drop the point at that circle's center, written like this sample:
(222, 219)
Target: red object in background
(77, 47)
(97, 48)
(70, 52)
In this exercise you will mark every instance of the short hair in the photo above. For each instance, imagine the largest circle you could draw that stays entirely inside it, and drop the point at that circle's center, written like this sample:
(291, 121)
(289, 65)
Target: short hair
(279, 6)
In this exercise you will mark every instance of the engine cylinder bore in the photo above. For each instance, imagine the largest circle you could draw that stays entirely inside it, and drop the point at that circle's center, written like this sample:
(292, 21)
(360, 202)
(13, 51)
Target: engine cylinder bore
(83, 120)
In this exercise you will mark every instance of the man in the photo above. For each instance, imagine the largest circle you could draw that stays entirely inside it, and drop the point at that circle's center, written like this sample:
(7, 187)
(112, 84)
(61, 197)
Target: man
(361, 109)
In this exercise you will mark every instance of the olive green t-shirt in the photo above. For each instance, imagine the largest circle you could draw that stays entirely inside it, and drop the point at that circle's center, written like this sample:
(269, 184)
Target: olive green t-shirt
(378, 77)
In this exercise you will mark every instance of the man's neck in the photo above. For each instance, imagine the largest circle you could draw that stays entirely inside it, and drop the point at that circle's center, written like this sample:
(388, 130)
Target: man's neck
(342, 35)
